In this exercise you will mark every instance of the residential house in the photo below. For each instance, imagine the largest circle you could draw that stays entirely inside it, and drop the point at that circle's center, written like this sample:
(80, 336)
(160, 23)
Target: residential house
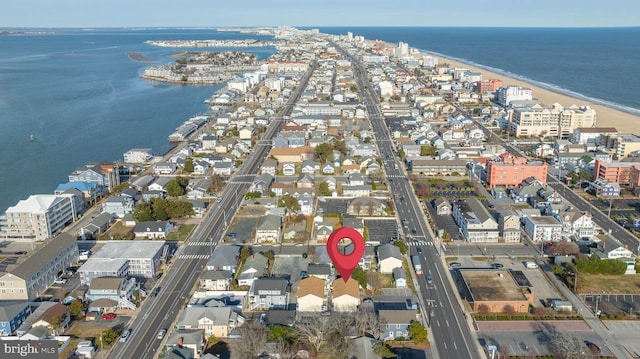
(323, 231)
(576, 224)
(356, 191)
(12, 314)
(152, 229)
(200, 167)
(311, 297)
(164, 168)
(160, 184)
(322, 271)
(356, 179)
(474, 221)
(355, 223)
(509, 226)
(253, 268)
(197, 188)
(442, 206)
(96, 226)
(270, 166)
(366, 207)
(328, 169)
(192, 340)
(543, 228)
(118, 290)
(345, 295)
(529, 188)
(223, 168)
(268, 229)
(214, 321)
(396, 323)
(268, 293)
(56, 318)
(29, 279)
(331, 183)
(138, 155)
(199, 207)
(215, 280)
(288, 168)
(118, 206)
(91, 192)
(399, 277)
(389, 257)
(289, 154)
(304, 181)
(262, 184)
(611, 248)
(310, 167)
(224, 258)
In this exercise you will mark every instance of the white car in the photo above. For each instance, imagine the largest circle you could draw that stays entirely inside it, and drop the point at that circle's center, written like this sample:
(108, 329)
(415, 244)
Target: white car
(60, 281)
(161, 333)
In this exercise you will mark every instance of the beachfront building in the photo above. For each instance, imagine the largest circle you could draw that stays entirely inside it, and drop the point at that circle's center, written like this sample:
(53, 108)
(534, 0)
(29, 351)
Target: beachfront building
(550, 121)
(597, 135)
(38, 217)
(511, 171)
(29, 279)
(504, 95)
(138, 155)
(625, 144)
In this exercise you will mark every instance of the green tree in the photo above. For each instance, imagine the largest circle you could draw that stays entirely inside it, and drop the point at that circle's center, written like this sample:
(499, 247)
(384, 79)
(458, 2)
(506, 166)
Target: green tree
(188, 165)
(253, 195)
(289, 202)
(75, 308)
(109, 336)
(174, 189)
(340, 146)
(417, 332)
(402, 246)
(324, 152)
(383, 351)
(361, 276)
(143, 212)
(401, 152)
(160, 209)
(324, 190)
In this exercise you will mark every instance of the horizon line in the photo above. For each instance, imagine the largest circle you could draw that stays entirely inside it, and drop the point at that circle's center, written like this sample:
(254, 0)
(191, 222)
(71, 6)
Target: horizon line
(315, 26)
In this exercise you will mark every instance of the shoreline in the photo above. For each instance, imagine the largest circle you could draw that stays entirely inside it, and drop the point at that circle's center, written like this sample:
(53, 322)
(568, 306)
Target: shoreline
(606, 116)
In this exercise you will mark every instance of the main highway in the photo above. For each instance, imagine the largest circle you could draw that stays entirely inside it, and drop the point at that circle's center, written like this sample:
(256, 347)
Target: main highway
(453, 338)
(174, 289)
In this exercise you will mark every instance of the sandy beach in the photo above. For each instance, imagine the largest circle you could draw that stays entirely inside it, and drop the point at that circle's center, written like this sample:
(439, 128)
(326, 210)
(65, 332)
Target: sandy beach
(605, 116)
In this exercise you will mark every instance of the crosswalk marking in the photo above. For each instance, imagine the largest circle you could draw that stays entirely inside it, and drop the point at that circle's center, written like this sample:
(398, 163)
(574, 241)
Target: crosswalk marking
(419, 243)
(193, 256)
(207, 244)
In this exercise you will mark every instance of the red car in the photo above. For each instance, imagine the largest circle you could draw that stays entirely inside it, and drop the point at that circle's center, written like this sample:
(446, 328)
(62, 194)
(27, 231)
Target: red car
(109, 316)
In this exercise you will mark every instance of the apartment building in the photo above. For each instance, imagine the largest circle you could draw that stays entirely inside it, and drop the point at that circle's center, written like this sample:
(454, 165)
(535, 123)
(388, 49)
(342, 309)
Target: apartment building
(38, 217)
(550, 121)
(625, 144)
(474, 221)
(511, 171)
(623, 173)
(33, 276)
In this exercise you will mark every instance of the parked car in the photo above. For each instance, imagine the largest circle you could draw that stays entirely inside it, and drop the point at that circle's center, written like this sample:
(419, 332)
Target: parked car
(60, 281)
(109, 316)
(231, 234)
(161, 333)
(497, 265)
(455, 264)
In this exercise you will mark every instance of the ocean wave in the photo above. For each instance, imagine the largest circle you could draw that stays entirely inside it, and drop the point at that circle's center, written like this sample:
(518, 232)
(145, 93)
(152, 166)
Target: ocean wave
(544, 85)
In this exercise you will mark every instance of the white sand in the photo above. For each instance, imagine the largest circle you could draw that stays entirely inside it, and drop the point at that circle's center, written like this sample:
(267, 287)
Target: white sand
(605, 116)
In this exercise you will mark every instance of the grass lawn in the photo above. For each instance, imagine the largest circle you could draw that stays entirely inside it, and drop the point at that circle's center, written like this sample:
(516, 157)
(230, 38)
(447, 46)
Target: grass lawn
(598, 283)
(117, 231)
(405, 266)
(86, 331)
(182, 232)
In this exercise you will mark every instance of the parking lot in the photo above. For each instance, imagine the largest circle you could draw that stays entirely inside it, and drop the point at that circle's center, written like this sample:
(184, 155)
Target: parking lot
(614, 304)
(242, 231)
(381, 230)
(445, 222)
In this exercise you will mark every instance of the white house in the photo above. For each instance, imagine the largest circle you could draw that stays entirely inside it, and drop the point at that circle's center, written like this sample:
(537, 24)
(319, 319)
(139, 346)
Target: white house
(389, 257)
(311, 296)
(543, 228)
(346, 295)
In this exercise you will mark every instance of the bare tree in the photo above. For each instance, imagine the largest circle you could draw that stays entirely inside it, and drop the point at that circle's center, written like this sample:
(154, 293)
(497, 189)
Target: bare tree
(373, 281)
(566, 346)
(253, 341)
(315, 328)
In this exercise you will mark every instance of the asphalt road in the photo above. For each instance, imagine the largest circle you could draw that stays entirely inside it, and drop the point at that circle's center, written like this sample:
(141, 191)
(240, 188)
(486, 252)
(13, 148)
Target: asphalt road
(452, 336)
(175, 287)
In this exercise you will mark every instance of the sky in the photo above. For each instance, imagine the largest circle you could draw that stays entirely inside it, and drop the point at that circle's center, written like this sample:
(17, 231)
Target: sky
(217, 13)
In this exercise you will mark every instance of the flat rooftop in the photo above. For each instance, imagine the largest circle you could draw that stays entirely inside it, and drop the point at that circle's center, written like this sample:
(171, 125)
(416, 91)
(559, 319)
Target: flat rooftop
(129, 249)
(492, 285)
(545, 220)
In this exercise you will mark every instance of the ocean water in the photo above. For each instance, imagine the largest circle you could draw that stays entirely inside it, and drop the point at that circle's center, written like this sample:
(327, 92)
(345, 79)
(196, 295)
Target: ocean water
(598, 64)
(81, 97)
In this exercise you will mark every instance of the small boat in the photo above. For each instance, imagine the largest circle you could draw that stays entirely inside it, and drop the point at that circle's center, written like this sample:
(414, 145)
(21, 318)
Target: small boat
(31, 137)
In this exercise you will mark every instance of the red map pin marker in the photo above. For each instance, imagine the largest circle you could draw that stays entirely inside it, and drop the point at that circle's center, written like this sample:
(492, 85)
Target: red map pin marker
(345, 263)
